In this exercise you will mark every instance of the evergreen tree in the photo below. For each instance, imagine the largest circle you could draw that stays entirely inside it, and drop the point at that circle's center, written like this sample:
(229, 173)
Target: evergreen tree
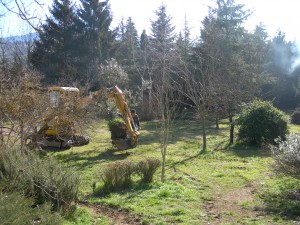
(162, 44)
(283, 73)
(97, 39)
(127, 54)
(184, 42)
(224, 46)
(55, 53)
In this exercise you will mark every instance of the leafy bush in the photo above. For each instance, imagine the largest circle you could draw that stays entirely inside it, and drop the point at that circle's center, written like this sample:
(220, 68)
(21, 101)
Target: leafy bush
(43, 179)
(115, 121)
(260, 122)
(146, 169)
(287, 156)
(15, 209)
(117, 175)
(295, 118)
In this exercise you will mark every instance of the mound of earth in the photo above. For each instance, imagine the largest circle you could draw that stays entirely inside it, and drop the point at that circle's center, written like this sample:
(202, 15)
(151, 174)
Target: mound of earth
(118, 131)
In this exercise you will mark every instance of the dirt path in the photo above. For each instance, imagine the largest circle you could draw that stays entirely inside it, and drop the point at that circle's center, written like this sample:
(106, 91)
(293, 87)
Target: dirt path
(115, 216)
(230, 208)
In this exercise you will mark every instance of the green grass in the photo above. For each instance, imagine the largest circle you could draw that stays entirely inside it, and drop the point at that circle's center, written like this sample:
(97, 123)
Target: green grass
(194, 179)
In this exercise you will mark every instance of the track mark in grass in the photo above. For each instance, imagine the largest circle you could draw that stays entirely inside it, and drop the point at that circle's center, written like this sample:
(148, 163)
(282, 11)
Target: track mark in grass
(114, 215)
(233, 206)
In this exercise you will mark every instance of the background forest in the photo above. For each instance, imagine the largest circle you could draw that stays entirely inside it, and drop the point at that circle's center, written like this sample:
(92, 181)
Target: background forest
(190, 95)
(76, 46)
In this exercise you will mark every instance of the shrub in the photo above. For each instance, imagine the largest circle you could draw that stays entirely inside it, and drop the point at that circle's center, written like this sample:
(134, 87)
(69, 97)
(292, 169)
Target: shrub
(146, 169)
(117, 128)
(117, 175)
(15, 209)
(295, 118)
(114, 121)
(287, 156)
(43, 179)
(260, 122)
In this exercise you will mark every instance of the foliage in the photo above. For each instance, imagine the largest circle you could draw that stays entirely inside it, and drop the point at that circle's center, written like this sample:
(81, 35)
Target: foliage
(96, 39)
(146, 169)
(15, 209)
(114, 121)
(260, 122)
(295, 117)
(117, 175)
(41, 178)
(21, 106)
(287, 156)
(55, 53)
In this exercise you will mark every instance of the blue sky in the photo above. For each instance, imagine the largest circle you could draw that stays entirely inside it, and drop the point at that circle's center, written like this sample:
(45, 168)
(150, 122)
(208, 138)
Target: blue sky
(279, 14)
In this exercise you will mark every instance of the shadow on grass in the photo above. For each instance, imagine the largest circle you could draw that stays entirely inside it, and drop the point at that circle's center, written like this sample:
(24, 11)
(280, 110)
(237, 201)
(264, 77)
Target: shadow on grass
(285, 205)
(107, 155)
(181, 131)
(131, 190)
(244, 151)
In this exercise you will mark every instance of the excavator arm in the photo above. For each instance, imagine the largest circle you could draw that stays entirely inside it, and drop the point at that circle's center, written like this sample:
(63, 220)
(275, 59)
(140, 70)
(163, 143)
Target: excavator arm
(121, 103)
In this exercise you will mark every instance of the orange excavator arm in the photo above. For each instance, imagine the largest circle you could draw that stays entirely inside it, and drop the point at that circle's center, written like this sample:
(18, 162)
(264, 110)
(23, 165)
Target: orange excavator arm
(119, 98)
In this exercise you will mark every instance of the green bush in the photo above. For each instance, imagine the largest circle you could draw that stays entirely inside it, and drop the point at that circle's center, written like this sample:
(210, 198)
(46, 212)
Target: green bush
(260, 122)
(295, 118)
(43, 179)
(15, 209)
(146, 169)
(117, 175)
(114, 122)
(287, 156)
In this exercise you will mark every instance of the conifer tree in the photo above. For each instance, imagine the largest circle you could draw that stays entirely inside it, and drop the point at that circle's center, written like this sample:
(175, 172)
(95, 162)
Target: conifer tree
(55, 53)
(128, 52)
(95, 20)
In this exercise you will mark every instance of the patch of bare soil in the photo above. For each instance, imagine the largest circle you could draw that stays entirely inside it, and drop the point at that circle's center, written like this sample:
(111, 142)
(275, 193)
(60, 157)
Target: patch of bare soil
(114, 215)
(232, 207)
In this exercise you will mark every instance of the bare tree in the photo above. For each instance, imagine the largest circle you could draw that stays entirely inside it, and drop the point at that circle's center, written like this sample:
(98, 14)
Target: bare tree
(25, 10)
(164, 60)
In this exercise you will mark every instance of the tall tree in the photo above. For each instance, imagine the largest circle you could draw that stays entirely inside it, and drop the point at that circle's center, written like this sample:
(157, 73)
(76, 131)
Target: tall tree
(55, 52)
(283, 72)
(128, 52)
(97, 39)
(163, 59)
(231, 75)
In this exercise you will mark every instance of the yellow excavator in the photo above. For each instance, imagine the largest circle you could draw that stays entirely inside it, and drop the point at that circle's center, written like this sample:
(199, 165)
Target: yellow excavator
(132, 135)
(60, 127)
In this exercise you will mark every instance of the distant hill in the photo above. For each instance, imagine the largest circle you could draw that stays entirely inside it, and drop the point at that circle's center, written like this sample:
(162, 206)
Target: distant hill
(20, 38)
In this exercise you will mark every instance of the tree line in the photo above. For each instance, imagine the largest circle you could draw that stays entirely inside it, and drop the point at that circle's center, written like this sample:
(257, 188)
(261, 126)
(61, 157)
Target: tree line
(223, 68)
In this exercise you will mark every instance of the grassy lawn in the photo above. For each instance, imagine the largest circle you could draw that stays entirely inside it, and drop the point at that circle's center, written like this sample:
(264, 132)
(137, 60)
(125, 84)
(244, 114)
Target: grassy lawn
(223, 185)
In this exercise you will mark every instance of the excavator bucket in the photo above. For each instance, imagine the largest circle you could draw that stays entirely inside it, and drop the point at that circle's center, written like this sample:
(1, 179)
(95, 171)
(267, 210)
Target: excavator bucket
(122, 144)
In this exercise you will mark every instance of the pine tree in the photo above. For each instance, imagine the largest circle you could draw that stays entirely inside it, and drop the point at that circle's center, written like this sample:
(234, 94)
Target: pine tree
(55, 53)
(95, 20)
(223, 38)
(128, 52)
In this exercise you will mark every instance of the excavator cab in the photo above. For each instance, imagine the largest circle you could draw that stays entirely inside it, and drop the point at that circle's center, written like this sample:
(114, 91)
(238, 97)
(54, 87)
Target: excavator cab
(59, 127)
(64, 97)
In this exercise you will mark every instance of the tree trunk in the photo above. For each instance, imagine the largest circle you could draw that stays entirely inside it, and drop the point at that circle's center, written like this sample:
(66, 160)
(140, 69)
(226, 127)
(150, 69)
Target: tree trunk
(217, 123)
(203, 134)
(163, 169)
(231, 130)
